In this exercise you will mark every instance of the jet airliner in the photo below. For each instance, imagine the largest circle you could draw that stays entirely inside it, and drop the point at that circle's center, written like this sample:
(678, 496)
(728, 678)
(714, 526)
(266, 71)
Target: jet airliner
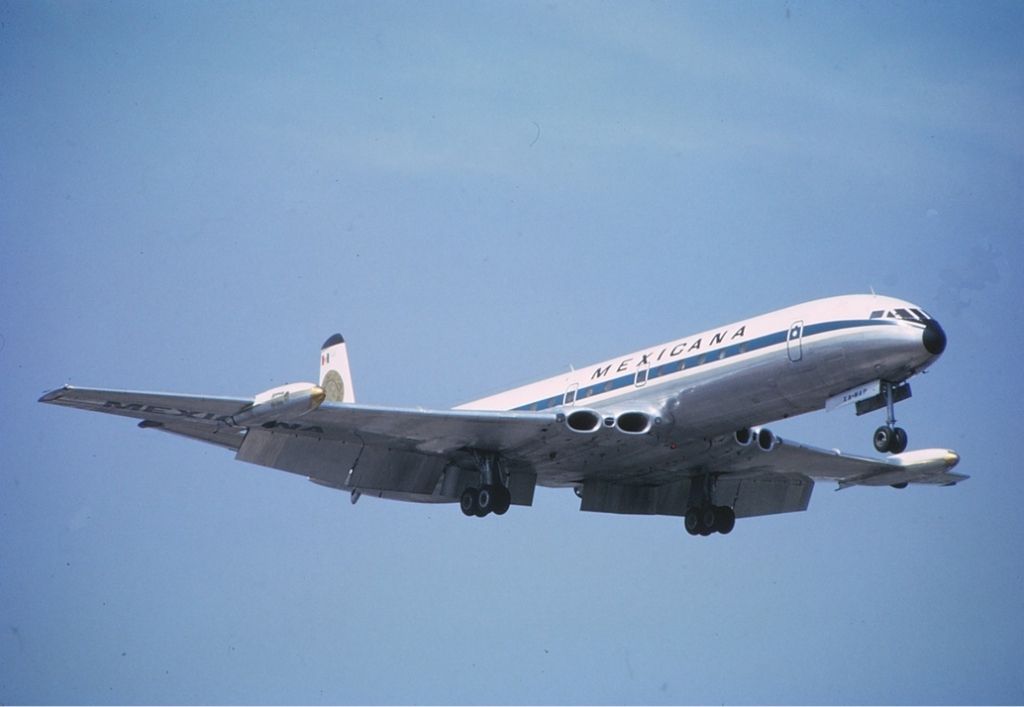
(674, 429)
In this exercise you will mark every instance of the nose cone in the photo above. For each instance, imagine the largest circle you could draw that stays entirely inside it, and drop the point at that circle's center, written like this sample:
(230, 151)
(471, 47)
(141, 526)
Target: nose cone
(934, 338)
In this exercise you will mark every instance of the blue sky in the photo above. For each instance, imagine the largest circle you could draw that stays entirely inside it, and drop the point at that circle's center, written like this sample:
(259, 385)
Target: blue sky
(195, 195)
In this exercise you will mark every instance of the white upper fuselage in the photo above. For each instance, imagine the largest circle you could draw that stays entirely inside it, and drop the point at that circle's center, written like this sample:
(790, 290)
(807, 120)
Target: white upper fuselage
(751, 372)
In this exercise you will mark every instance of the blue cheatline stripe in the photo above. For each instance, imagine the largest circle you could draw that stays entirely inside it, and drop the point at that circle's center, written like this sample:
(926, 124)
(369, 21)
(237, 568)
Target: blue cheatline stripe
(666, 369)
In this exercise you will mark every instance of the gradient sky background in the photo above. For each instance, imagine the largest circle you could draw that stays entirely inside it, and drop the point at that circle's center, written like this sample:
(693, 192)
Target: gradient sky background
(193, 196)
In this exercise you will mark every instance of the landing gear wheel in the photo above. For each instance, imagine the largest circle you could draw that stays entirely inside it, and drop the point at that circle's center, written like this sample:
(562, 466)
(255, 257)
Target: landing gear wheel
(502, 500)
(707, 520)
(900, 485)
(899, 441)
(485, 500)
(891, 439)
(470, 502)
(883, 439)
(692, 521)
(725, 519)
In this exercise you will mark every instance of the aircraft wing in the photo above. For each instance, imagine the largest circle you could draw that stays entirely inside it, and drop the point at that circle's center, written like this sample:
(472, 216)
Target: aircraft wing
(209, 418)
(756, 479)
(392, 451)
(428, 455)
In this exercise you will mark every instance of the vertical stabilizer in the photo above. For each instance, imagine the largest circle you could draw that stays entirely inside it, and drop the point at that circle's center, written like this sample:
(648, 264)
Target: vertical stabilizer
(335, 376)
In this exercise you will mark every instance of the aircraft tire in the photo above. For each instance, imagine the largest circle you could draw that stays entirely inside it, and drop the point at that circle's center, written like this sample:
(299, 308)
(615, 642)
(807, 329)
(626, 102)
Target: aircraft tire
(692, 521)
(502, 500)
(883, 439)
(899, 441)
(485, 500)
(709, 520)
(725, 519)
(901, 485)
(470, 502)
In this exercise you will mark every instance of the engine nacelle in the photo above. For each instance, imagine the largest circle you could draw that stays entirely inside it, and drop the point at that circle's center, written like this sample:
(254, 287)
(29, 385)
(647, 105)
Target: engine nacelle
(583, 421)
(285, 402)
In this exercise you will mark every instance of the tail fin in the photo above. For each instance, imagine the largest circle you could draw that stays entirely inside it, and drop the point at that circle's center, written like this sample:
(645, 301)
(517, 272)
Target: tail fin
(335, 376)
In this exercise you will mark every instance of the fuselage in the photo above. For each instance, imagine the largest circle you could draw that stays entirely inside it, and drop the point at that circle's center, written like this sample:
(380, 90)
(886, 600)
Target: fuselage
(751, 372)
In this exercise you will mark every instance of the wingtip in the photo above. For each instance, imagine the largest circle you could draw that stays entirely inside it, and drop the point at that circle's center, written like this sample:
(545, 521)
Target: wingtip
(54, 394)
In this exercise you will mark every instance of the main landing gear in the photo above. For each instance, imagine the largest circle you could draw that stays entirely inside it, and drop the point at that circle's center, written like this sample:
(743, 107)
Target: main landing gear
(489, 498)
(706, 520)
(888, 437)
(493, 495)
(703, 517)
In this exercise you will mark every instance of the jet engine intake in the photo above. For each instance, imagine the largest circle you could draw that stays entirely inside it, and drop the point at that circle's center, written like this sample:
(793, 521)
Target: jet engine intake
(634, 423)
(766, 440)
(584, 421)
(744, 437)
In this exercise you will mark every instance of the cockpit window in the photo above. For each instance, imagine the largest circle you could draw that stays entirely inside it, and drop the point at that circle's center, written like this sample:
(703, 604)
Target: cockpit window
(911, 314)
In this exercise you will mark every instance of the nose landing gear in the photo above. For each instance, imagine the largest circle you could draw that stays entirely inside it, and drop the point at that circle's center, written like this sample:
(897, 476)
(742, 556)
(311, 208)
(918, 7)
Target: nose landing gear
(889, 438)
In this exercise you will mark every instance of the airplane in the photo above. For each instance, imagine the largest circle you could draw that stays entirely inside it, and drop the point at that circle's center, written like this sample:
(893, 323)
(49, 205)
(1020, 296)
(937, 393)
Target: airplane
(675, 429)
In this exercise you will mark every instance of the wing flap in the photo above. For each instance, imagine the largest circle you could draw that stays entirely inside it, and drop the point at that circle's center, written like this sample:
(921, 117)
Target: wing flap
(747, 495)
(344, 464)
(764, 495)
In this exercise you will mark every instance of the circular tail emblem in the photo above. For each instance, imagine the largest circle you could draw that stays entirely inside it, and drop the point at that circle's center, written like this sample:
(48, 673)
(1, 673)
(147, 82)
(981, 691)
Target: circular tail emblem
(333, 386)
